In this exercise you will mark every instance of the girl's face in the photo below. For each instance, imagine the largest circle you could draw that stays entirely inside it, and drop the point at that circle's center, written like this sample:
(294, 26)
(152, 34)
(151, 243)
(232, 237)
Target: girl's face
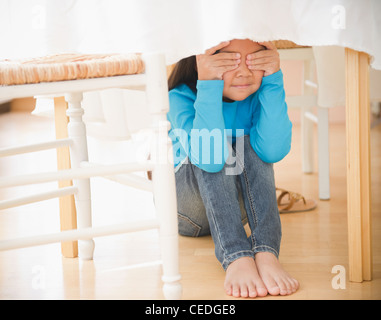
(242, 82)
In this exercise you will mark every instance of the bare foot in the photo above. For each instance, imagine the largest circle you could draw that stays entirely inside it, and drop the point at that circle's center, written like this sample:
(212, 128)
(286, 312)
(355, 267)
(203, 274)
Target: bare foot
(243, 280)
(275, 278)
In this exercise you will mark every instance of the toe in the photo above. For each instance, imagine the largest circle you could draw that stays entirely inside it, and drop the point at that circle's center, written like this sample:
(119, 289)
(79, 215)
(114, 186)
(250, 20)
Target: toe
(261, 288)
(236, 291)
(274, 291)
(228, 289)
(289, 286)
(262, 291)
(283, 290)
(272, 287)
(296, 284)
(252, 291)
(244, 291)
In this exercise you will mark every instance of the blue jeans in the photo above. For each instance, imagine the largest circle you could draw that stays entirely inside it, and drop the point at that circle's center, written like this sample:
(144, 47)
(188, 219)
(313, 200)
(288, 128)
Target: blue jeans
(219, 204)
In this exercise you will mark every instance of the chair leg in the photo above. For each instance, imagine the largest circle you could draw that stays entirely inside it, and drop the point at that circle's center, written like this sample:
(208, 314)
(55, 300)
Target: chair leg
(79, 153)
(166, 206)
(307, 142)
(323, 142)
(68, 215)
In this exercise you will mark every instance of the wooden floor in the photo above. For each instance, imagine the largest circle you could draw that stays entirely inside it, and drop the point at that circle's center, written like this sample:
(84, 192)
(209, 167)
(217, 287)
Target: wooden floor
(128, 266)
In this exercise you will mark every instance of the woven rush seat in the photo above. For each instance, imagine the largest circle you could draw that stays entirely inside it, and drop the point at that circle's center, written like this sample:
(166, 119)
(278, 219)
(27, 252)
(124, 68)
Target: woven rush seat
(63, 67)
(286, 44)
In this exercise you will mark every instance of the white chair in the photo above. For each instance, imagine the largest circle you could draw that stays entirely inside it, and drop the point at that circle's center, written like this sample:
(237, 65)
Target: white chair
(154, 82)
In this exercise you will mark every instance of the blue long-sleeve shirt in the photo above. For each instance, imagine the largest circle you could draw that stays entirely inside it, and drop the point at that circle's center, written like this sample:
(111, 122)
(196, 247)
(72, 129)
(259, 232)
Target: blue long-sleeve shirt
(203, 123)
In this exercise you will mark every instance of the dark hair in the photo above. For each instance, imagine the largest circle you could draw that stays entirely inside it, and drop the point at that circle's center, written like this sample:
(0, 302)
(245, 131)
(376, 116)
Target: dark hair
(184, 72)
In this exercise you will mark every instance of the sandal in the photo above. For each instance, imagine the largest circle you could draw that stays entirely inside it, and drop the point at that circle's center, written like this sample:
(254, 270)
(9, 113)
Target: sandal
(296, 202)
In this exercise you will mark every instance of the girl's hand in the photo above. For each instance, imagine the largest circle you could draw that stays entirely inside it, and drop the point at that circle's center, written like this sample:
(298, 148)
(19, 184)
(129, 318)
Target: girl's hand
(212, 65)
(265, 60)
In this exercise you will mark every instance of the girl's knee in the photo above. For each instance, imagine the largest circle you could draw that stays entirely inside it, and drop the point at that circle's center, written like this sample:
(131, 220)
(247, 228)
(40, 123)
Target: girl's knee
(190, 228)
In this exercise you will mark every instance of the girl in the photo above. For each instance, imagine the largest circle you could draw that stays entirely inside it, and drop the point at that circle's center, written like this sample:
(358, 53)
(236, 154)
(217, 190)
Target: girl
(229, 124)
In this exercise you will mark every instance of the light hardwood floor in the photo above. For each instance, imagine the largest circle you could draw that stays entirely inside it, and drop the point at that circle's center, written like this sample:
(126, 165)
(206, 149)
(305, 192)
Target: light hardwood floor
(127, 266)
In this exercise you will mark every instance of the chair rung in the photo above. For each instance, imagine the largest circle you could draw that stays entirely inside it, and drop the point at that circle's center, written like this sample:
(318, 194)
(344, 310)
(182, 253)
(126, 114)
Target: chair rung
(6, 152)
(80, 234)
(311, 117)
(125, 179)
(311, 84)
(78, 173)
(6, 204)
(133, 181)
(301, 101)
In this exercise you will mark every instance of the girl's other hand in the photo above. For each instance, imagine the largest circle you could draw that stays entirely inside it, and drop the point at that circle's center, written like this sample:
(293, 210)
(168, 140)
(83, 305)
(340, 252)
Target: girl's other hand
(212, 65)
(265, 60)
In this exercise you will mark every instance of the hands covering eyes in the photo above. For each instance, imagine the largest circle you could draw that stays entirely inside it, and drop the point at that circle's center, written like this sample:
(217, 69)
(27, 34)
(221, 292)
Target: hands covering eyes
(264, 60)
(213, 64)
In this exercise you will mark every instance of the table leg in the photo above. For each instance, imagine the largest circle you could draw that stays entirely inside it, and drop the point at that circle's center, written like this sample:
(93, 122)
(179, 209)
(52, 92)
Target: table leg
(68, 215)
(358, 165)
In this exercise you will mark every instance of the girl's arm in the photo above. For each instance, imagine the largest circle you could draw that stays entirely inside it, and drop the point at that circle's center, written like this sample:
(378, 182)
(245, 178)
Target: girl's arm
(198, 121)
(270, 134)
(198, 124)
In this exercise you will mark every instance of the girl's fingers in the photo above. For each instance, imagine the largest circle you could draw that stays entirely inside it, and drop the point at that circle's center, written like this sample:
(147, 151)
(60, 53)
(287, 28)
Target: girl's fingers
(228, 62)
(268, 44)
(261, 54)
(231, 67)
(227, 67)
(225, 60)
(227, 56)
(262, 66)
(260, 61)
(216, 48)
(267, 68)
(224, 69)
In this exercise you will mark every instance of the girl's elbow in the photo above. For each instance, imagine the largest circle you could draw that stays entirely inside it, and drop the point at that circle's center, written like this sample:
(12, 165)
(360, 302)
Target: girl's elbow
(274, 155)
